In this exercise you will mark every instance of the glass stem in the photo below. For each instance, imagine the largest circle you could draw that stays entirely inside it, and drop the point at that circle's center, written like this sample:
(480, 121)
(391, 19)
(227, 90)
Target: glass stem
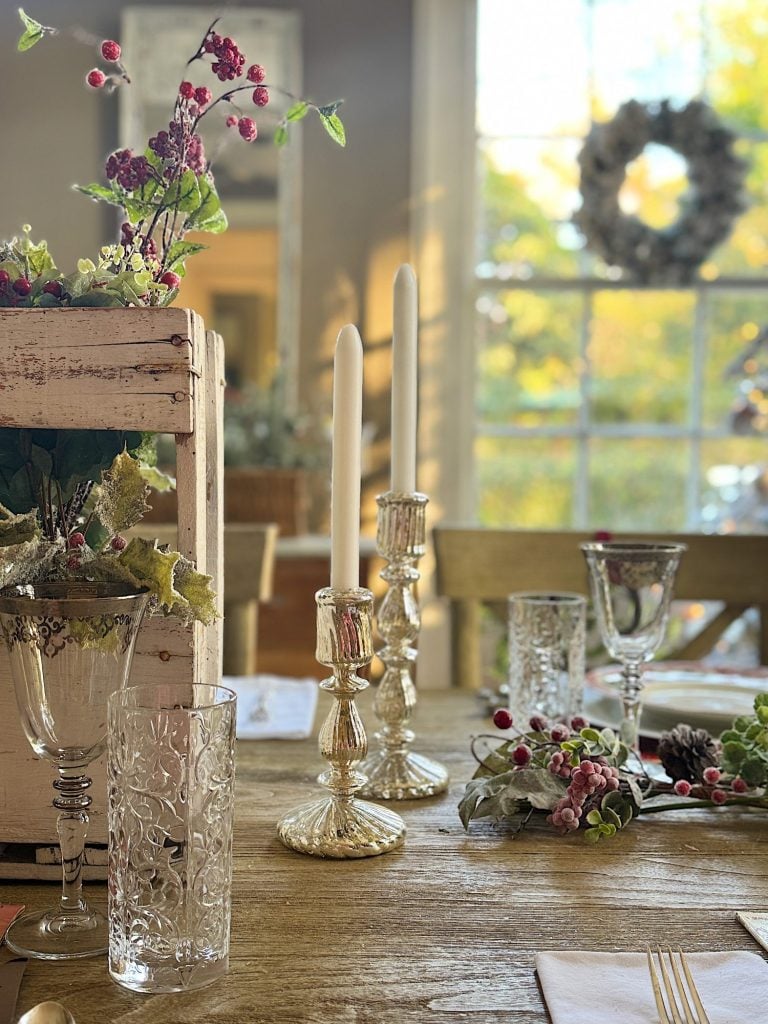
(72, 802)
(630, 698)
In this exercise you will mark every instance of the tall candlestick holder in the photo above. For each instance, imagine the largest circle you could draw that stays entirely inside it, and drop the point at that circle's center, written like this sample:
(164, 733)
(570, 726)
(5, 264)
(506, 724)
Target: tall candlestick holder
(395, 772)
(341, 825)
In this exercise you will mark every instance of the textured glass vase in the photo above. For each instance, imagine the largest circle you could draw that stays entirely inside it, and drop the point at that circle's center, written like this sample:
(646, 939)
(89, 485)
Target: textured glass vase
(171, 763)
(70, 645)
(546, 655)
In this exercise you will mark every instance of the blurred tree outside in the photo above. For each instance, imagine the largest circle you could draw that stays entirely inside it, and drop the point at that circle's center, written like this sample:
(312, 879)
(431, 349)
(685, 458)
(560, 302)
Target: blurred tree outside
(590, 408)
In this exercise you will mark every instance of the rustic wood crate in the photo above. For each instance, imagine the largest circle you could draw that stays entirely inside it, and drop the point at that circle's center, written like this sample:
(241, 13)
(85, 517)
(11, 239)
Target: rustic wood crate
(114, 369)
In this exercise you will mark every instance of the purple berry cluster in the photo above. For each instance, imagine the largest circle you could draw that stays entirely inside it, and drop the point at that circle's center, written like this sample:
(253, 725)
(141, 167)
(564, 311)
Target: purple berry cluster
(592, 778)
(180, 148)
(129, 171)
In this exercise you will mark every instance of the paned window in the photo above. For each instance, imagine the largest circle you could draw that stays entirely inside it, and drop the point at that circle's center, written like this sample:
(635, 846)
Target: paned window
(600, 403)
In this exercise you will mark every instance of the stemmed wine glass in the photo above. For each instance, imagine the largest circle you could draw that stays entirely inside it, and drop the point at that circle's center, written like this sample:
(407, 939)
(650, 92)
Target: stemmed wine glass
(631, 584)
(70, 645)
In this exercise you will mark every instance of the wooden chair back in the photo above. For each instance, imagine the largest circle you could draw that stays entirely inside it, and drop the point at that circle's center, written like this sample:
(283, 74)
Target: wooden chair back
(477, 567)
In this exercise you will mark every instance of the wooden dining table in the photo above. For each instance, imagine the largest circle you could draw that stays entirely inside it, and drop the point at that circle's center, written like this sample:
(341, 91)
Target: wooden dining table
(446, 928)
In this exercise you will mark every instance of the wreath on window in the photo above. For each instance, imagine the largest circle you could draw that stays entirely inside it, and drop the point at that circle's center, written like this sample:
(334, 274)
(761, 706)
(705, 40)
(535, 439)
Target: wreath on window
(715, 198)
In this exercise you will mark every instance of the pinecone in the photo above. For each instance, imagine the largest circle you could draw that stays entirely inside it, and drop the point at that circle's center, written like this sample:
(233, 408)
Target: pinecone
(685, 753)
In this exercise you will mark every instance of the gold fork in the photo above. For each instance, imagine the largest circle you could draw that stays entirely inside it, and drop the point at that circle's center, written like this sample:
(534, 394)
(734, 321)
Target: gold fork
(680, 1009)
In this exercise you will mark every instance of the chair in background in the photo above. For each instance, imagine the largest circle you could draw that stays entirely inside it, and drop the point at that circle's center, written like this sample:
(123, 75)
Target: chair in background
(480, 567)
(249, 564)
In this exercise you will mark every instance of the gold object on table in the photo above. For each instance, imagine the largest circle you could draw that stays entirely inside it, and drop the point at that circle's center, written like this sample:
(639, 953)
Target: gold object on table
(47, 1013)
(341, 825)
(395, 772)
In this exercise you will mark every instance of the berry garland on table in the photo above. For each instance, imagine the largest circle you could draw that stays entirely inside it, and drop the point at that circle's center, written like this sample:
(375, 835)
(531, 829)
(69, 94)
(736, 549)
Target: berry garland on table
(716, 196)
(584, 778)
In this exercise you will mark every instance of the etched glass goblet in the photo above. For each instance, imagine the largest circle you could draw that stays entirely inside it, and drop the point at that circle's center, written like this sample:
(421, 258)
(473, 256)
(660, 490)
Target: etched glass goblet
(632, 584)
(70, 645)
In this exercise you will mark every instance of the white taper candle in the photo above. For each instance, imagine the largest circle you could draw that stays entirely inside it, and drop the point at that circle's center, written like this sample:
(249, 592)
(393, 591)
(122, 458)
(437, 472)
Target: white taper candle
(345, 471)
(404, 381)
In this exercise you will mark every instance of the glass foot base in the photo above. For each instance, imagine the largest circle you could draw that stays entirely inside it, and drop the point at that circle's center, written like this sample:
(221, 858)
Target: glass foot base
(57, 935)
(144, 972)
(345, 830)
(402, 775)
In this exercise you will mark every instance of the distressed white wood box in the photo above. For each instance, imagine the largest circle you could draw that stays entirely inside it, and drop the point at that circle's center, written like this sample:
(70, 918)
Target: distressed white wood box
(113, 369)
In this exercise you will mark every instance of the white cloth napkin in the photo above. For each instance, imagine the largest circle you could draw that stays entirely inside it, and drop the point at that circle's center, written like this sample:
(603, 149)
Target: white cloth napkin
(273, 707)
(615, 988)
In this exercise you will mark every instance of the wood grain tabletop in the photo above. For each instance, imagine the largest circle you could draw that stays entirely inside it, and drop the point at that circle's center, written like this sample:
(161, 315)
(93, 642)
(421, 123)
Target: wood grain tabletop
(445, 929)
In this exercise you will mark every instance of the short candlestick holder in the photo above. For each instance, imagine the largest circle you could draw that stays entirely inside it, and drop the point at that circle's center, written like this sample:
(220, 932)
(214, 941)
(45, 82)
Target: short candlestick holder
(341, 825)
(395, 772)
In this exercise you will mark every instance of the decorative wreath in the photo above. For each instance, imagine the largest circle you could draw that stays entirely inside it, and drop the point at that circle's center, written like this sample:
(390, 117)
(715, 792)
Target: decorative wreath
(708, 210)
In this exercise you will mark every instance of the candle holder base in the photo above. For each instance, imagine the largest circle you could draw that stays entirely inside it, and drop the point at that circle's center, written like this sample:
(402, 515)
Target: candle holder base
(403, 775)
(341, 829)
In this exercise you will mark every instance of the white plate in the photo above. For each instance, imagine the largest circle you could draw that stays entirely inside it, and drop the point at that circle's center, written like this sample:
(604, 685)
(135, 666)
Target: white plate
(705, 697)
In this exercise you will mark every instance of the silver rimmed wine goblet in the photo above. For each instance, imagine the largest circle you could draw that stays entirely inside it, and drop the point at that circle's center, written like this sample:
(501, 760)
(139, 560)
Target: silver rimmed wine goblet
(632, 584)
(70, 645)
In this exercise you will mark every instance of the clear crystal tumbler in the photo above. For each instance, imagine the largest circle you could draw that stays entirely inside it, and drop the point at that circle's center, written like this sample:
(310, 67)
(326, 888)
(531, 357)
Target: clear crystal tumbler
(171, 763)
(546, 655)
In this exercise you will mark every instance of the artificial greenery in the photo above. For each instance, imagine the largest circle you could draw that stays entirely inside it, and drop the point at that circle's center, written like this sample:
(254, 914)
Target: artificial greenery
(260, 431)
(67, 497)
(162, 193)
(551, 768)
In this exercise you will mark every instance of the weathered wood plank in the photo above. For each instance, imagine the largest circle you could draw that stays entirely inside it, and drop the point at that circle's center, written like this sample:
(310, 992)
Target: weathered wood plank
(444, 930)
(214, 494)
(126, 369)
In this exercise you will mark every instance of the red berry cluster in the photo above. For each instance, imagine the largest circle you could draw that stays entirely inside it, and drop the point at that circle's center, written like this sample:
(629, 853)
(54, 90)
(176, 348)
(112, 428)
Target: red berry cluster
(111, 52)
(247, 128)
(130, 172)
(14, 290)
(592, 778)
(713, 788)
(229, 60)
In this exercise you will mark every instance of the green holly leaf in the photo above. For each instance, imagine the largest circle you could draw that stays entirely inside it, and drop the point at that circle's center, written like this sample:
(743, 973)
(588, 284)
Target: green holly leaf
(208, 216)
(281, 135)
(334, 127)
(153, 569)
(184, 194)
(179, 252)
(122, 500)
(298, 111)
(33, 32)
(99, 193)
(97, 298)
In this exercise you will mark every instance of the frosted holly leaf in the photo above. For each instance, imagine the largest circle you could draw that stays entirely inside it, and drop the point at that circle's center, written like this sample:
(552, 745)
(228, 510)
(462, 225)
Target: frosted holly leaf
(156, 479)
(153, 569)
(16, 529)
(20, 548)
(199, 596)
(122, 500)
(108, 568)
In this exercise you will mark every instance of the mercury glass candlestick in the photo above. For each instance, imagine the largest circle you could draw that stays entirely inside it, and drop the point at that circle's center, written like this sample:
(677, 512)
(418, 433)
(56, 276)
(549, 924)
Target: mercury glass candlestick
(395, 772)
(340, 825)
